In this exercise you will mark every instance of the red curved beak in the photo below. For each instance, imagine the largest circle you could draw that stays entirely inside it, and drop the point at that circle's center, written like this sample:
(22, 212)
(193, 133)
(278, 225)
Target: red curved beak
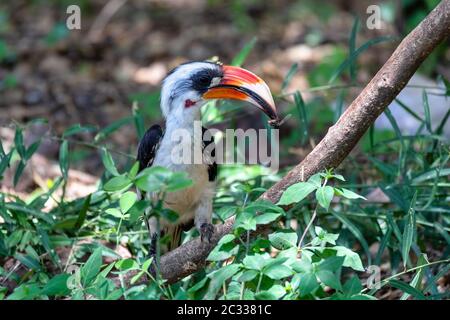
(241, 84)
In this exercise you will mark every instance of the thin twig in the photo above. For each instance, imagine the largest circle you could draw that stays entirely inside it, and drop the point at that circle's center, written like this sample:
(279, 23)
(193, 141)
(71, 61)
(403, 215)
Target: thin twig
(386, 280)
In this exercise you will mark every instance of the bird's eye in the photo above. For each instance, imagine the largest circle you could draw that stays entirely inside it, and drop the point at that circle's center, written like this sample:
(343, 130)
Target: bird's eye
(201, 80)
(204, 81)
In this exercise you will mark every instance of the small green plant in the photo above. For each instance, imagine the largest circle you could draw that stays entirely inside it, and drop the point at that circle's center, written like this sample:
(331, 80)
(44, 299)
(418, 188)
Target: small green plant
(320, 237)
(281, 267)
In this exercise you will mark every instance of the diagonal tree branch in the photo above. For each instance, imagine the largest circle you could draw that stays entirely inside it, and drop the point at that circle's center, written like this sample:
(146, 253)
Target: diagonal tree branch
(341, 138)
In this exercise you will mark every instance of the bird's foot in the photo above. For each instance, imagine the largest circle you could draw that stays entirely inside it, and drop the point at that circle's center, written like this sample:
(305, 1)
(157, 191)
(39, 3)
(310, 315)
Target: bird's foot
(206, 232)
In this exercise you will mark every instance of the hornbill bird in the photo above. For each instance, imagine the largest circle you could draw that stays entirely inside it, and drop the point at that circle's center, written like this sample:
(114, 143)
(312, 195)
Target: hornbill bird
(184, 91)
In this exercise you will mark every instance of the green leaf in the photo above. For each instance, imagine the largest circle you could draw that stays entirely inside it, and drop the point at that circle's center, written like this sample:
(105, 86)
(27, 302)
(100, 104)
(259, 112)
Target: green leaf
(127, 200)
(18, 142)
(126, 265)
(161, 179)
(224, 249)
(28, 261)
(431, 282)
(432, 174)
(102, 134)
(316, 179)
(57, 286)
(351, 258)
(355, 231)
(138, 121)
(147, 263)
(245, 220)
(117, 183)
(4, 163)
(290, 74)
(263, 206)
(136, 277)
(64, 159)
(114, 212)
(352, 286)
(36, 213)
(302, 266)
(409, 110)
(218, 278)
(399, 135)
(134, 170)
(137, 210)
(278, 271)
(226, 239)
(108, 162)
(407, 289)
(77, 128)
(409, 230)
(248, 275)
(279, 260)
(275, 292)
(19, 171)
(255, 262)
(107, 270)
(324, 237)
(83, 212)
(331, 264)
(348, 194)
(283, 240)
(416, 282)
(266, 218)
(352, 58)
(387, 169)
(441, 126)
(91, 268)
(296, 193)
(329, 279)
(338, 177)
(169, 215)
(426, 108)
(25, 291)
(48, 246)
(308, 283)
(226, 211)
(199, 285)
(239, 59)
(2, 150)
(179, 181)
(324, 195)
(32, 149)
(383, 244)
(302, 113)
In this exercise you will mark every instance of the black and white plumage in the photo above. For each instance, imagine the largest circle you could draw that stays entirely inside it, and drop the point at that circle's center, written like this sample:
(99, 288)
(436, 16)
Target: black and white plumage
(184, 91)
(148, 146)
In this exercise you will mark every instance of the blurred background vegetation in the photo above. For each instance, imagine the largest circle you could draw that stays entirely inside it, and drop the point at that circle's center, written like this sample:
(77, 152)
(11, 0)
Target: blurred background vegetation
(98, 88)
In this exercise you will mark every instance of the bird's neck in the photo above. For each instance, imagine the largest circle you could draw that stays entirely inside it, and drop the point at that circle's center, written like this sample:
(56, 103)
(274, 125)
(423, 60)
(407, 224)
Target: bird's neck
(183, 137)
(186, 120)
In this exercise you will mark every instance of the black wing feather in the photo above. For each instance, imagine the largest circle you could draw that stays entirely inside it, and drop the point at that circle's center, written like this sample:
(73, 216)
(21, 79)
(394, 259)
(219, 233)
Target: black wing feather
(148, 146)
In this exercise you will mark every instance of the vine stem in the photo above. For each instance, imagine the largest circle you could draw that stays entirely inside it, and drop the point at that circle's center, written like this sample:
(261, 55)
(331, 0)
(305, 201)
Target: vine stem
(384, 281)
(308, 227)
(89, 145)
(310, 221)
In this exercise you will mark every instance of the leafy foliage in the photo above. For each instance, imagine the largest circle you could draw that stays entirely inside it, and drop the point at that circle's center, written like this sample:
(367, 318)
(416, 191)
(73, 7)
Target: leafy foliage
(323, 232)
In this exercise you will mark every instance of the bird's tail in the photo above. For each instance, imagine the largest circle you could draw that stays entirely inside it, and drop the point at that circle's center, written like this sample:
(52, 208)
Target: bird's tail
(175, 232)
